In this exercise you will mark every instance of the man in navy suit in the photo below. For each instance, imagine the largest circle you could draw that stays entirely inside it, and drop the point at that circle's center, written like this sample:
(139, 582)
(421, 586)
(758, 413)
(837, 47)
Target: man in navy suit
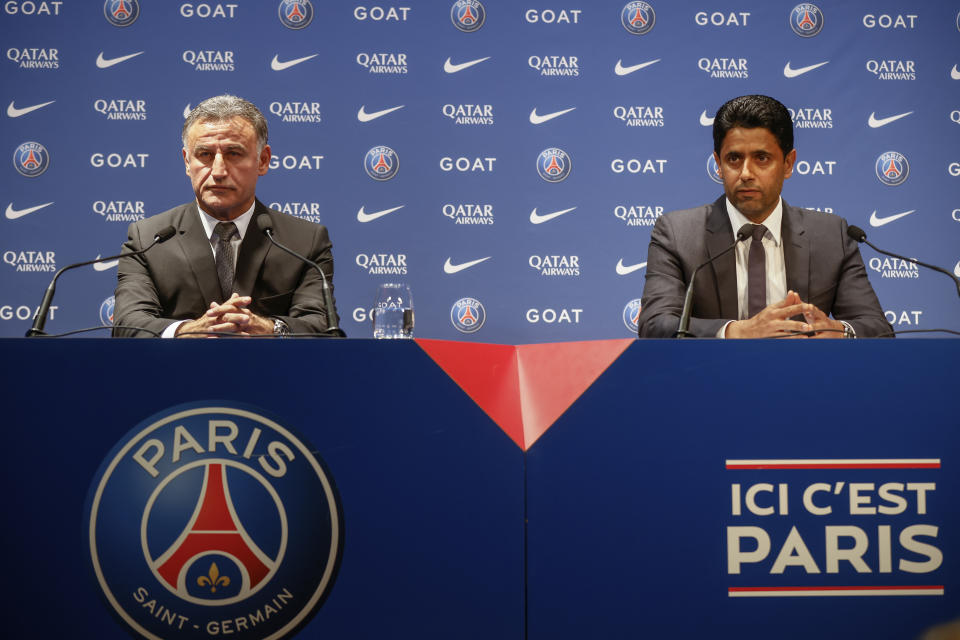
(219, 273)
(807, 275)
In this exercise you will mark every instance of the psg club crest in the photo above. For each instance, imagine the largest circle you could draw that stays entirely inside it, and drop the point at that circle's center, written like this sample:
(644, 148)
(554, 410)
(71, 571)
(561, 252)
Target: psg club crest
(553, 164)
(713, 169)
(31, 159)
(468, 15)
(892, 168)
(381, 163)
(806, 20)
(121, 13)
(467, 315)
(210, 519)
(106, 311)
(295, 14)
(638, 18)
(631, 315)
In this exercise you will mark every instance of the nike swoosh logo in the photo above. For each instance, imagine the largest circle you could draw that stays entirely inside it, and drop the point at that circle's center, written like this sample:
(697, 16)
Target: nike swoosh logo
(874, 122)
(363, 116)
(367, 217)
(104, 266)
(455, 268)
(535, 119)
(539, 218)
(276, 65)
(704, 120)
(13, 214)
(956, 269)
(793, 73)
(186, 111)
(624, 270)
(106, 63)
(13, 112)
(449, 67)
(954, 73)
(621, 70)
(876, 221)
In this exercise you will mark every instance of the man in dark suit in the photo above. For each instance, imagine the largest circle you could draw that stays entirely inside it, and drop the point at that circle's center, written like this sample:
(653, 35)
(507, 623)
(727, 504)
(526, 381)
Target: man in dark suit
(219, 273)
(793, 273)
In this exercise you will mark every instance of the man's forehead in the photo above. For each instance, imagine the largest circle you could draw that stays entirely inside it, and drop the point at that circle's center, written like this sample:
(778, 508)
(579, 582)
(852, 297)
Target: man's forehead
(753, 137)
(235, 129)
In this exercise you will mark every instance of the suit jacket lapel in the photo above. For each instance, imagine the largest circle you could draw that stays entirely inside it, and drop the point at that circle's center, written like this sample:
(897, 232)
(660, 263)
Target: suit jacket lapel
(197, 253)
(253, 251)
(719, 237)
(796, 252)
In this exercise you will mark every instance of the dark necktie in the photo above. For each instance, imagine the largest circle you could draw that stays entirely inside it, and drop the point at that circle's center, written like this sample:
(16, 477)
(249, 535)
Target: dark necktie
(223, 256)
(757, 273)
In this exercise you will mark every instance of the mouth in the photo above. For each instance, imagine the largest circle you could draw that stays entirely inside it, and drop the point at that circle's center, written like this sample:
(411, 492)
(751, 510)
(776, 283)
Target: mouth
(748, 193)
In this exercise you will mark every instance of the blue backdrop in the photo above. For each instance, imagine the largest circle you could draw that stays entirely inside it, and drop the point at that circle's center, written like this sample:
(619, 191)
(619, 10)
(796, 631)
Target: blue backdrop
(467, 111)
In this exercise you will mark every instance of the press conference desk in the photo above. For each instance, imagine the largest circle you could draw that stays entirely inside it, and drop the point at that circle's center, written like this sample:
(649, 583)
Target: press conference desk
(616, 522)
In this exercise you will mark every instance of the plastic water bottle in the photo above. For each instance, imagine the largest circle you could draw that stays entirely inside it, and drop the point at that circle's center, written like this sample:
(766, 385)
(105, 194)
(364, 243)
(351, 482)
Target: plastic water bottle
(393, 312)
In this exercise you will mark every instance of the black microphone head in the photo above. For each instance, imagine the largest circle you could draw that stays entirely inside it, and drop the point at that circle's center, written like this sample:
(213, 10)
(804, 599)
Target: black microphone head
(856, 233)
(264, 223)
(745, 232)
(165, 234)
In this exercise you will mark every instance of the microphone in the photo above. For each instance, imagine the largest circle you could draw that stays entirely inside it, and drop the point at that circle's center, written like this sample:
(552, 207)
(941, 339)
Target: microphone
(41, 318)
(745, 232)
(266, 226)
(858, 234)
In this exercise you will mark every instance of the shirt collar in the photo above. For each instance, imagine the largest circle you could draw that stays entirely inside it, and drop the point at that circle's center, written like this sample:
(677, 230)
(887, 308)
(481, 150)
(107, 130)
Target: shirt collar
(773, 223)
(242, 221)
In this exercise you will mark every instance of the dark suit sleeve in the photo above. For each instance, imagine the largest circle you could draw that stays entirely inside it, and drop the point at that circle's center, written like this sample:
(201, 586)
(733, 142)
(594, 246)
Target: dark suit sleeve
(302, 308)
(668, 266)
(137, 303)
(856, 302)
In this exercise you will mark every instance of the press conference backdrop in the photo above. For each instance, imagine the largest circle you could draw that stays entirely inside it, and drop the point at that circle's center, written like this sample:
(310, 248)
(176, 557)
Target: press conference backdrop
(506, 159)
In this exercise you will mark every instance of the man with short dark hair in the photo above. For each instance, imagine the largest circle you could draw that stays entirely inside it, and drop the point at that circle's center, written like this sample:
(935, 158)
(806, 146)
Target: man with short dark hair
(219, 274)
(797, 269)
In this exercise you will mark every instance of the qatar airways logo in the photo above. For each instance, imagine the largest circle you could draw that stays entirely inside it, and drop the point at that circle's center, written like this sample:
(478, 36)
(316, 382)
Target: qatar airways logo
(550, 265)
(382, 264)
(724, 68)
(469, 114)
(894, 268)
(309, 211)
(297, 112)
(383, 63)
(125, 211)
(121, 109)
(893, 69)
(555, 66)
(31, 261)
(812, 118)
(639, 116)
(209, 60)
(34, 58)
(468, 213)
(638, 215)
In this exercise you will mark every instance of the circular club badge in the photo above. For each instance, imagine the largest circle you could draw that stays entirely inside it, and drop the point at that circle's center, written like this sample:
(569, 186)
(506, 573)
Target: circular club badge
(212, 519)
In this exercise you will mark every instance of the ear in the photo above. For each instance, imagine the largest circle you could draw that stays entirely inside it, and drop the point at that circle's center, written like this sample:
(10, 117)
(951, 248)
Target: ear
(788, 161)
(716, 159)
(186, 162)
(264, 163)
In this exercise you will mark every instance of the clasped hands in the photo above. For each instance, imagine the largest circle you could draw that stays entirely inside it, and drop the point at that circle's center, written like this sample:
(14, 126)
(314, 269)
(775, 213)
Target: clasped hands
(231, 316)
(774, 321)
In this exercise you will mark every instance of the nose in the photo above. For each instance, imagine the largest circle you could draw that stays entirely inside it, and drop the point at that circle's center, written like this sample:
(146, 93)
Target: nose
(219, 167)
(746, 171)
